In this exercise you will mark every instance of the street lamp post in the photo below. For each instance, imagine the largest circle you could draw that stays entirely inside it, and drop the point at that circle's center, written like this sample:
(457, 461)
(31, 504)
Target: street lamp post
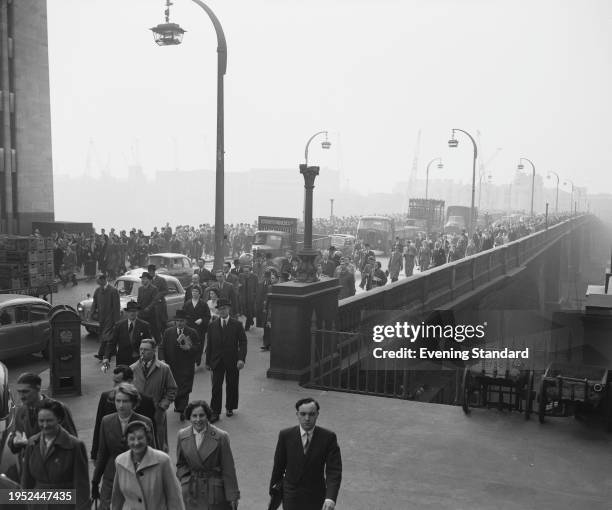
(557, 197)
(440, 166)
(520, 166)
(567, 181)
(307, 273)
(170, 34)
(453, 142)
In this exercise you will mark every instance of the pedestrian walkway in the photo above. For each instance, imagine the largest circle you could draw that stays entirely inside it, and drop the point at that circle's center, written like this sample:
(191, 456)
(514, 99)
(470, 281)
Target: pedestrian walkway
(400, 455)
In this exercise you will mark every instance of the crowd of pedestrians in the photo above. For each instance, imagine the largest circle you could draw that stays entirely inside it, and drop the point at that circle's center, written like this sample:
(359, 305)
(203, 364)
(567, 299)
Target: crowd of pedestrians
(116, 251)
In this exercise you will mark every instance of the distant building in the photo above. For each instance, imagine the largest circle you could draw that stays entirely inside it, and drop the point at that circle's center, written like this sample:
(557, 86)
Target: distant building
(26, 172)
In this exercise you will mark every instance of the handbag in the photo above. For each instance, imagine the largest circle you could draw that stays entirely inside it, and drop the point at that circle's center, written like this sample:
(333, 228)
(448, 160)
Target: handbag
(276, 496)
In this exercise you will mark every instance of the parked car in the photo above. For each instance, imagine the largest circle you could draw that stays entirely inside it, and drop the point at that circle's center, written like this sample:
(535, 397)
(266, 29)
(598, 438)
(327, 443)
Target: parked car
(174, 264)
(8, 460)
(24, 325)
(128, 286)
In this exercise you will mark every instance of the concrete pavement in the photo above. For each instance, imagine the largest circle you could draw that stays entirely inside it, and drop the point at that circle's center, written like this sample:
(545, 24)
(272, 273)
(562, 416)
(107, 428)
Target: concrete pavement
(398, 454)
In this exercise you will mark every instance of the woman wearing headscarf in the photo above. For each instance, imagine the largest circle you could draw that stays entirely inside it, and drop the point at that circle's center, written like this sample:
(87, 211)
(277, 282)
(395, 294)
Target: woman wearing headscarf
(205, 464)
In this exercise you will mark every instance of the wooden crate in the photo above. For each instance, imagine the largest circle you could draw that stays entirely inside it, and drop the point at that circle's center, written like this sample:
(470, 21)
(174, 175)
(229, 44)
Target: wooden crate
(11, 270)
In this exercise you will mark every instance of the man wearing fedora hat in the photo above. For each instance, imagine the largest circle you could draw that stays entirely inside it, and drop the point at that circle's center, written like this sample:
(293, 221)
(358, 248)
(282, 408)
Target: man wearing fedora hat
(126, 337)
(161, 309)
(147, 295)
(225, 356)
(107, 308)
(180, 348)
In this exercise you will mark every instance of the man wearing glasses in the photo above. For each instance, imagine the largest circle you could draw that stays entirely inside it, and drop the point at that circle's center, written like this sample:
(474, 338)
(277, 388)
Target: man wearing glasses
(307, 464)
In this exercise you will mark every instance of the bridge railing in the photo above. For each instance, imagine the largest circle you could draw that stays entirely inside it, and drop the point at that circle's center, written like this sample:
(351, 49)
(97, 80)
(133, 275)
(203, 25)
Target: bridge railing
(440, 285)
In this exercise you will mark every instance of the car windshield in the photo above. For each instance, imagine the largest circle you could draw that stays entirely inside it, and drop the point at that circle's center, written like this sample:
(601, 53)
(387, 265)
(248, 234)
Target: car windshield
(159, 262)
(375, 224)
(127, 287)
(272, 240)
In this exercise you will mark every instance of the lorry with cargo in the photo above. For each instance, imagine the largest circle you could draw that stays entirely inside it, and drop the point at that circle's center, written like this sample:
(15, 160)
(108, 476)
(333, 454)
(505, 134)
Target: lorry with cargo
(458, 219)
(278, 235)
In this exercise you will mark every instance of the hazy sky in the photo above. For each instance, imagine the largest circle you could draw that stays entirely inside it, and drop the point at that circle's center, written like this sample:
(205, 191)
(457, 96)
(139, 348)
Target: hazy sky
(532, 76)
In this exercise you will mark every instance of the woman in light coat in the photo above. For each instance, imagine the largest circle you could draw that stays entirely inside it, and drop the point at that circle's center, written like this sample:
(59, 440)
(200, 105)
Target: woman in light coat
(144, 477)
(205, 464)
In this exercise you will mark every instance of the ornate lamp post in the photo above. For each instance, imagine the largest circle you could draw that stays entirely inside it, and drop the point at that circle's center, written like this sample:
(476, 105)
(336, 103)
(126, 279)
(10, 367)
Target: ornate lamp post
(440, 166)
(557, 197)
(307, 273)
(453, 142)
(171, 34)
(520, 166)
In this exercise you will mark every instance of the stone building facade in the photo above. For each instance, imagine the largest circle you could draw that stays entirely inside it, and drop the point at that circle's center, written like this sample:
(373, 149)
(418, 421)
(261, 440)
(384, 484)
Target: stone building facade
(26, 171)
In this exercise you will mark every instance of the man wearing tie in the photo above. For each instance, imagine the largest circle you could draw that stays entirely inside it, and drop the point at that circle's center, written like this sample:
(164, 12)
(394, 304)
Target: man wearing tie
(180, 348)
(26, 416)
(307, 461)
(225, 356)
(154, 379)
(126, 338)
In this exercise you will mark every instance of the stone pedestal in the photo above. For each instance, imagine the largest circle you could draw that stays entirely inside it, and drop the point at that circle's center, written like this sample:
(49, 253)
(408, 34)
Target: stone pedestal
(294, 307)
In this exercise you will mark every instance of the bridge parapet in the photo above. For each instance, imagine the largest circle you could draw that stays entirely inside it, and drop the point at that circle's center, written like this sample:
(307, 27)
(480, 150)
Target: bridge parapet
(442, 285)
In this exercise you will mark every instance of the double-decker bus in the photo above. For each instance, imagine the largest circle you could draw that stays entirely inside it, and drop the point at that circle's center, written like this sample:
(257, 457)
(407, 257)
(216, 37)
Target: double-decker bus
(378, 232)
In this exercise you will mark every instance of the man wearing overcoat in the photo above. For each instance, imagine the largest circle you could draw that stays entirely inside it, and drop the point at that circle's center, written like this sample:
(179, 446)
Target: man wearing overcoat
(180, 349)
(154, 379)
(107, 308)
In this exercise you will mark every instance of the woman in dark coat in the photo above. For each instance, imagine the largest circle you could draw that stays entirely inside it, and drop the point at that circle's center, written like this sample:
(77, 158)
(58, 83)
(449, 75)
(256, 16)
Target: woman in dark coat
(205, 464)
(55, 460)
(198, 317)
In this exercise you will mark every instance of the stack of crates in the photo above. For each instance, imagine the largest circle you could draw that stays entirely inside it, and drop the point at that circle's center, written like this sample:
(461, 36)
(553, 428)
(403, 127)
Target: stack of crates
(25, 262)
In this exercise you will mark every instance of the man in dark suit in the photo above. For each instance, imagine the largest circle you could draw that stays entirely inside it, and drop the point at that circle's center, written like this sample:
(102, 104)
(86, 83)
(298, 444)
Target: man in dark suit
(147, 299)
(205, 275)
(106, 307)
(126, 338)
(307, 461)
(106, 405)
(161, 309)
(180, 349)
(225, 355)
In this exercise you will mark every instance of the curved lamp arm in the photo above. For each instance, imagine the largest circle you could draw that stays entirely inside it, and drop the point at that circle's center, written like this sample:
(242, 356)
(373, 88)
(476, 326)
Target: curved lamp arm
(530, 162)
(309, 140)
(470, 137)
(221, 44)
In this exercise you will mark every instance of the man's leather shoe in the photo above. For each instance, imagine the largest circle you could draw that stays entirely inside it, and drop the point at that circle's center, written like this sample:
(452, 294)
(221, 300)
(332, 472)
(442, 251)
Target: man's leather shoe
(229, 413)
(97, 356)
(214, 418)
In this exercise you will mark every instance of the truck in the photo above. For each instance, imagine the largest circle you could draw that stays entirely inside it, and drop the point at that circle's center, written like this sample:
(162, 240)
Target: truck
(458, 219)
(277, 235)
(427, 213)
